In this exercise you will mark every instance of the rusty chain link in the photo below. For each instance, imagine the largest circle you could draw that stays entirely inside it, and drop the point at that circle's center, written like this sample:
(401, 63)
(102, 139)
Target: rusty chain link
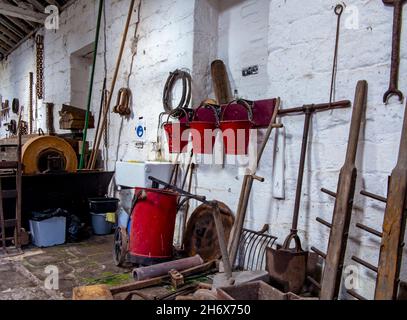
(40, 66)
(30, 103)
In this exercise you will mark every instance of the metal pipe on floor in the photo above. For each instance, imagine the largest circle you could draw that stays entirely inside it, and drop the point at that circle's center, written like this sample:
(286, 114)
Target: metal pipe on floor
(162, 269)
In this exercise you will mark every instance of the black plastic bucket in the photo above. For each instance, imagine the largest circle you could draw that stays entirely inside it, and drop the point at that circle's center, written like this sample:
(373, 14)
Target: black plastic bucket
(103, 205)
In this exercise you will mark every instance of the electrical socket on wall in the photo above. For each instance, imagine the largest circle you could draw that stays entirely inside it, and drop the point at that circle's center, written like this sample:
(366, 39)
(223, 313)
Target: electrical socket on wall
(249, 71)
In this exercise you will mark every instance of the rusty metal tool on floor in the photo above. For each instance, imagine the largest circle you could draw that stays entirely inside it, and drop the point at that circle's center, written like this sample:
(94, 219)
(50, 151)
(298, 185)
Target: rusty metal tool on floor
(288, 266)
(138, 285)
(392, 236)
(252, 249)
(158, 270)
(247, 188)
(334, 259)
(395, 55)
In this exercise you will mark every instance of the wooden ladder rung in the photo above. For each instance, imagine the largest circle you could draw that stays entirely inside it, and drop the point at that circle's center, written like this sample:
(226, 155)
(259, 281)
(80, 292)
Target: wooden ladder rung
(319, 252)
(8, 165)
(11, 223)
(314, 282)
(9, 194)
(7, 239)
(365, 264)
(356, 295)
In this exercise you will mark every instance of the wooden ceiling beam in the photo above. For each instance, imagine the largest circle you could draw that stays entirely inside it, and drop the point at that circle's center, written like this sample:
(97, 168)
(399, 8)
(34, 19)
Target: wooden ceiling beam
(5, 46)
(23, 5)
(9, 34)
(18, 23)
(24, 14)
(11, 27)
(37, 5)
(7, 40)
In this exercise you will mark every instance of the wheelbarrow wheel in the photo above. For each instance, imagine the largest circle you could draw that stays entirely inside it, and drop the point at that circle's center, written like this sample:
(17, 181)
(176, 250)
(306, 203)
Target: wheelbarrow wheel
(120, 247)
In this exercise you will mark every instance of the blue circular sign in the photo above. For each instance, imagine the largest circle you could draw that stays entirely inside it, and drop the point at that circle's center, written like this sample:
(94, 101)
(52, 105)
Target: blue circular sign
(140, 131)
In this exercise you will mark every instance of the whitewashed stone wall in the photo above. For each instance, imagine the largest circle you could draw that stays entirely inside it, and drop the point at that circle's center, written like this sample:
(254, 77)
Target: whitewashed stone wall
(292, 41)
(300, 39)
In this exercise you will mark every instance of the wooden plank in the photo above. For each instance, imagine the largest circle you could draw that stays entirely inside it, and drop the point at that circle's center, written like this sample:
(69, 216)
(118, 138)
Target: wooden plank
(220, 82)
(393, 227)
(72, 109)
(332, 275)
(24, 14)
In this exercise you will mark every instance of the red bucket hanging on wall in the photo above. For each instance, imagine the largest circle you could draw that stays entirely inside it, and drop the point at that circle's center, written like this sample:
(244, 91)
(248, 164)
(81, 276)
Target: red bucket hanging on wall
(152, 226)
(177, 133)
(204, 132)
(236, 133)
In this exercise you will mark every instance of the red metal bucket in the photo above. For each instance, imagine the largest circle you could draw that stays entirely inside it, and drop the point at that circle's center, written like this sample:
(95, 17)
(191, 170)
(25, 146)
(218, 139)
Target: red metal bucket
(152, 226)
(236, 133)
(177, 133)
(177, 136)
(204, 132)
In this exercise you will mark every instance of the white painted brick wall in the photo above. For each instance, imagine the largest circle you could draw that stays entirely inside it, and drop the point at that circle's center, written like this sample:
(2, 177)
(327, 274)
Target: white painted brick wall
(300, 42)
(292, 41)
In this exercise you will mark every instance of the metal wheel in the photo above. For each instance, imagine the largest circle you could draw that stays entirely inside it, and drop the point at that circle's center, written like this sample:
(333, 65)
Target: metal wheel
(120, 247)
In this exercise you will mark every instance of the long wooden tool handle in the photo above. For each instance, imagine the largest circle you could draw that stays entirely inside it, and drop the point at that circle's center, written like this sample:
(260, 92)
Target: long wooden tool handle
(393, 227)
(109, 101)
(246, 191)
(300, 180)
(220, 230)
(357, 115)
(332, 275)
(220, 82)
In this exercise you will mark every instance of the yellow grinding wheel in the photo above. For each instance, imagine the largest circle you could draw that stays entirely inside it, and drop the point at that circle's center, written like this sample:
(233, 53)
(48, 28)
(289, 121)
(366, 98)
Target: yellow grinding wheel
(38, 151)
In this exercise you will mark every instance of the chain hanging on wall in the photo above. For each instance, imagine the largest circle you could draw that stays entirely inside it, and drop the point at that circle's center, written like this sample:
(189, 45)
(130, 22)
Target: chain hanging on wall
(30, 103)
(24, 128)
(40, 66)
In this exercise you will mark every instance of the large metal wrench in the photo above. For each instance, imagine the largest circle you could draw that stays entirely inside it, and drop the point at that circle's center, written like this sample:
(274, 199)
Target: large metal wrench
(395, 55)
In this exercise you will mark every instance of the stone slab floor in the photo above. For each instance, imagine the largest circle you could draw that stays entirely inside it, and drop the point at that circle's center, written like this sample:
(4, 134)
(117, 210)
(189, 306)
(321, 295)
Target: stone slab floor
(85, 263)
